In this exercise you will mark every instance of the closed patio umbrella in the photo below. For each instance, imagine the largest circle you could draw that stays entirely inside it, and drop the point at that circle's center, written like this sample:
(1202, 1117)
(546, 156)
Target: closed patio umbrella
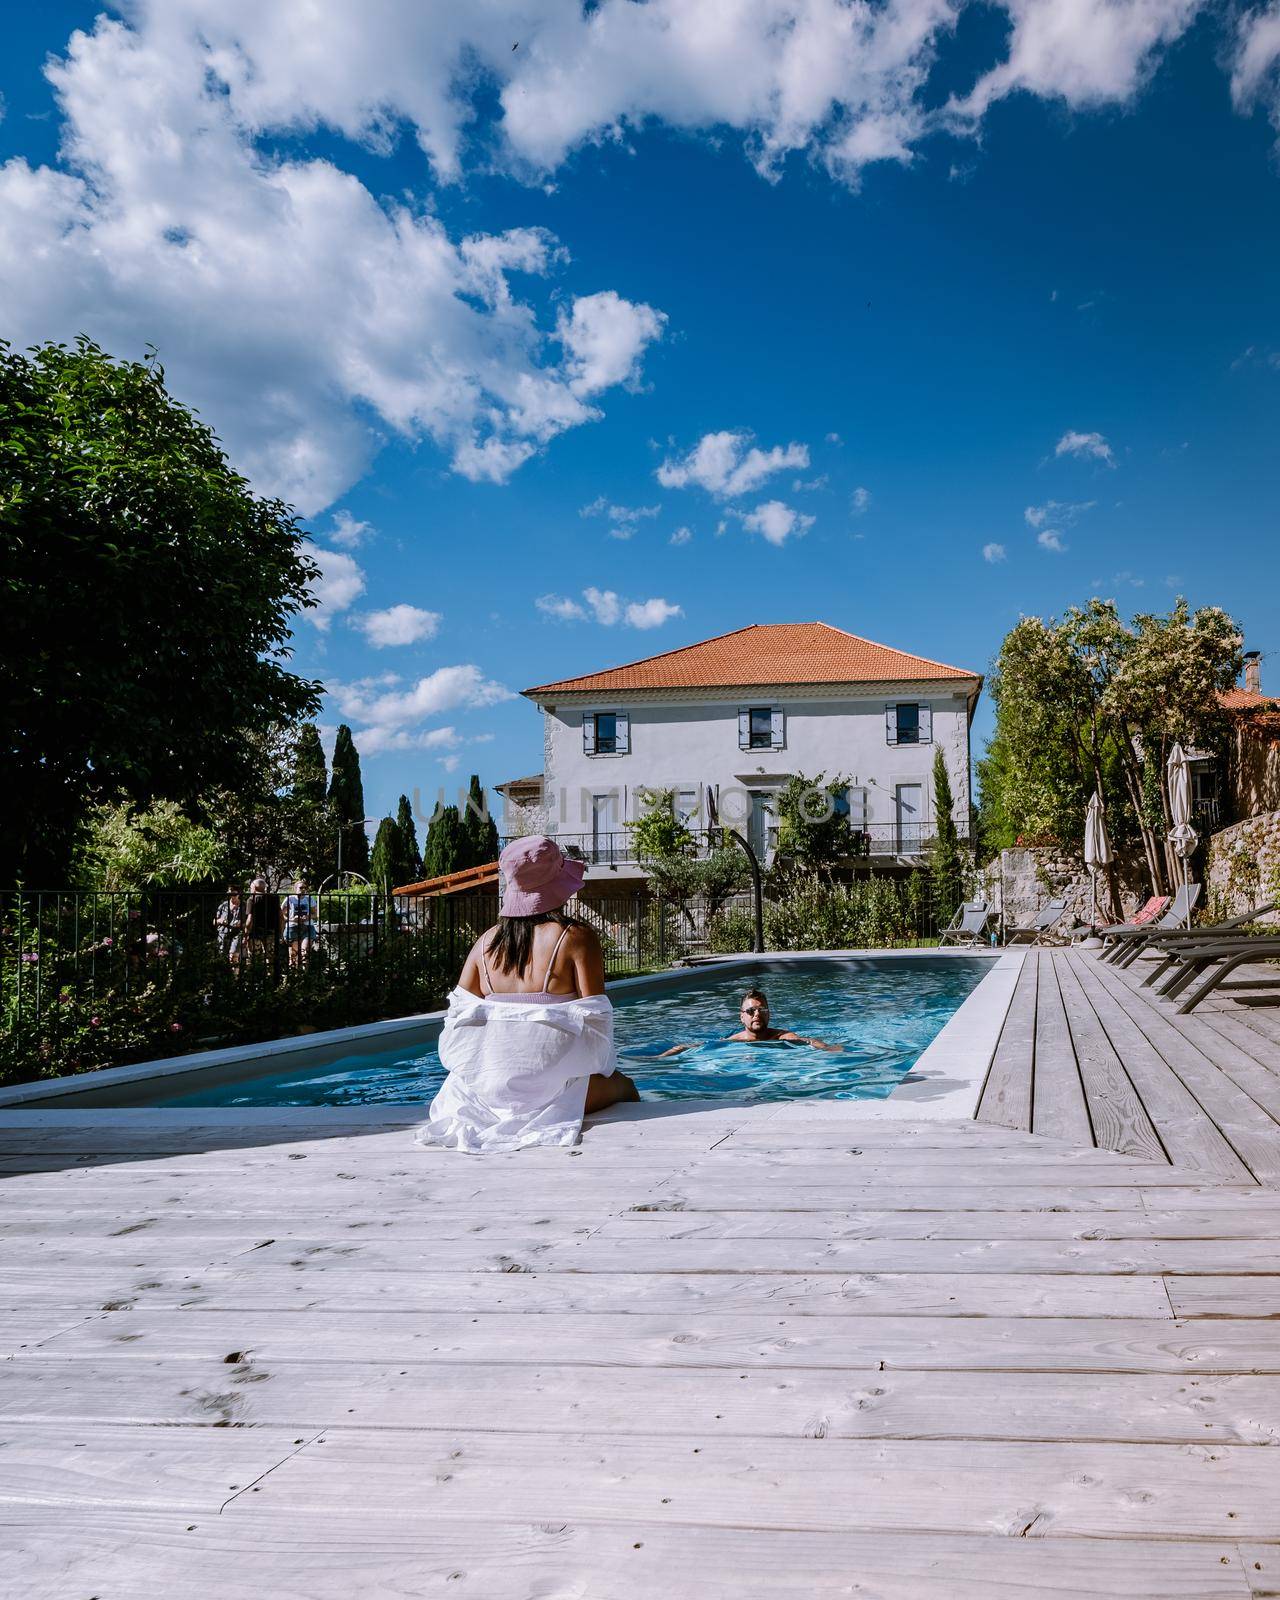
(1097, 846)
(1182, 836)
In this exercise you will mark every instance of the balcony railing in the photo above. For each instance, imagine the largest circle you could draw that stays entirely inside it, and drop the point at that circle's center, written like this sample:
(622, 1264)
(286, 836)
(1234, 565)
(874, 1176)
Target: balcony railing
(872, 841)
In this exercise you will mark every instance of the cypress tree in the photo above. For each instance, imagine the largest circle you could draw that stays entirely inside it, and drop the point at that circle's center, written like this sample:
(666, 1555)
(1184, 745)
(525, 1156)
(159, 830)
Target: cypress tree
(385, 863)
(945, 865)
(310, 780)
(346, 797)
(479, 828)
(411, 858)
(445, 849)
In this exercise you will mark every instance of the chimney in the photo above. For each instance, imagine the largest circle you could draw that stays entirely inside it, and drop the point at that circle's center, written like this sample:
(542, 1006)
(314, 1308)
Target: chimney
(1253, 671)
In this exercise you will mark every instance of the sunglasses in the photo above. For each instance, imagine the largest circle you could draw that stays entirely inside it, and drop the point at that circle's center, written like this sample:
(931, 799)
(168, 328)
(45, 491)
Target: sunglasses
(755, 1011)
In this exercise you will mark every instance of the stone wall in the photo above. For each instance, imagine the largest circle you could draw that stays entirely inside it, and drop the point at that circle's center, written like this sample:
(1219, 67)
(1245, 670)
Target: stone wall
(1244, 865)
(1019, 882)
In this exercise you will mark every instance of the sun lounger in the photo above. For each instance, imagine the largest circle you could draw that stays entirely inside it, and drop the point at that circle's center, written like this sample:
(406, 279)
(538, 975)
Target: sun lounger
(1169, 946)
(1044, 921)
(1215, 963)
(969, 925)
(1148, 913)
(1177, 916)
(1131, 945)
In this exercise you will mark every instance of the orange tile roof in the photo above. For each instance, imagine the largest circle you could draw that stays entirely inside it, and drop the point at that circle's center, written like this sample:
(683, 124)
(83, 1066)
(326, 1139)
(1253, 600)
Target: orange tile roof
(765, 653)
(1244, 700)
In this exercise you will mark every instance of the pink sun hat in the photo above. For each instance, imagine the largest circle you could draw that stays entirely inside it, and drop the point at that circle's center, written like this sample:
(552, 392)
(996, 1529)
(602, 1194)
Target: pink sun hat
(538, 876)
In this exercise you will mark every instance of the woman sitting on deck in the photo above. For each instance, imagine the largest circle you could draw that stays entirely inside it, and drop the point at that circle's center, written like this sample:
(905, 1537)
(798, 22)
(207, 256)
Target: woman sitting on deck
(527, 1063)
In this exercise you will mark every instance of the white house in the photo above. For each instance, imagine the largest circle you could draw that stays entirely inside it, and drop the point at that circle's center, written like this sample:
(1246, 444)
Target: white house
(725, 724)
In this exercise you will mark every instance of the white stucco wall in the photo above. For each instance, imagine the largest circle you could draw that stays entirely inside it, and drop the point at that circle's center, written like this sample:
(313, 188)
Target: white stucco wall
(687, 744)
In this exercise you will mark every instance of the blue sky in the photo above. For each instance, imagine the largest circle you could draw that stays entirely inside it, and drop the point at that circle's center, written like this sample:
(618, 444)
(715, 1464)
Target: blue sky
(997, 309)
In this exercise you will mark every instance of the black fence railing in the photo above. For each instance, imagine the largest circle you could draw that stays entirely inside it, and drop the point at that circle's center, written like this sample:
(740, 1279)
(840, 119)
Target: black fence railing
(90, 979)
(871, 840)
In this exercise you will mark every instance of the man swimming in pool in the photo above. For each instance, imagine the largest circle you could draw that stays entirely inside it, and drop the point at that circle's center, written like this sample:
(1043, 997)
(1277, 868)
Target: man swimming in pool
(755, 1029)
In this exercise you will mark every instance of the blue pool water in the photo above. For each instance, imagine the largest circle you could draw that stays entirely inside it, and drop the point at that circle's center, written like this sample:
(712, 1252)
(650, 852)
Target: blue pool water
(881, 1013)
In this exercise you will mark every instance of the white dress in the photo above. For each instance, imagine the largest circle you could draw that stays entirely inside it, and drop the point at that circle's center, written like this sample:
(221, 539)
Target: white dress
(518, 1070)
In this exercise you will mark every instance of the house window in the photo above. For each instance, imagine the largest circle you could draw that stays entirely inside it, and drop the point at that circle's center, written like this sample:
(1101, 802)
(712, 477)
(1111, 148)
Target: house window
(606, 733)
(686, 805)
(761, 728)
(907, 723)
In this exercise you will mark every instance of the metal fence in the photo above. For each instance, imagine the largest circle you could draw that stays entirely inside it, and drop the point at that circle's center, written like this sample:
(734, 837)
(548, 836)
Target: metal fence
(905, 841)
(95, 978)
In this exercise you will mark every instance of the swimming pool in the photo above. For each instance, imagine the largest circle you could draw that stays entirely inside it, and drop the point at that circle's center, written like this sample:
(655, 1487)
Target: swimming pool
(882, 1013)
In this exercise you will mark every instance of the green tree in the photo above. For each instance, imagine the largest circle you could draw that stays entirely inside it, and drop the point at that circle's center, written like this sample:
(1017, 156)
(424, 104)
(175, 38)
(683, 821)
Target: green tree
(310, 779)
(479, 829)
(313, 816)
(670, 854)
(346, 801)
(387, 858)
(1090, 701)
(411, 857)
(159, 848)
(814, 830)
(946, 863)
(445, 847)
(145, 604)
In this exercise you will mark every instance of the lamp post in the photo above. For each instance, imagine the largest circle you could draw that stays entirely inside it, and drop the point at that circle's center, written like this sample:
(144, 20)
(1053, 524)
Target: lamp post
(757, 889)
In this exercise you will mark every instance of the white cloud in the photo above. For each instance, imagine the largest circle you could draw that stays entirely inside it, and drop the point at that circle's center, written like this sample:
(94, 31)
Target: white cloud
(445, 689)
(304, 317)
(1051, 539)
(777, 522)
(340, 584)
(808, 485)
(993, 552)
(859, 500)
(401, 624)
(605, 605)
(624, 520)
(1087, 53)
(651, 613)
(727, 464)
(1064, 513)
(1255, 64)
(834, 438)
(560, 607)
(608, 608)
(1085, 445)
(604, 337)
(681, 536)
(347, 532)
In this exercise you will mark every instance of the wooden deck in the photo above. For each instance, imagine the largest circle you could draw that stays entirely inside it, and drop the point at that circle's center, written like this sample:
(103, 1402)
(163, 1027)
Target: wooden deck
(1090, 1056)
(783, 1351)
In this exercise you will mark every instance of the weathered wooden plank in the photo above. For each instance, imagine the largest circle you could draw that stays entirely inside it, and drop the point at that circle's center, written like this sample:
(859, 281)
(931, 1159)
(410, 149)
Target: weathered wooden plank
(655, 1401)
(757, 1340)
(1254, 1296)
(1120, 1121)
(628, 1250)
(31, 1326)
(1251, 1062)
(89, 1464)
(1191, 1139)
(971, 1294)
(1262, 1568)
(1050, 1490)
(1252, 1132)
(1058, 1105)
(127, 1555)
(995, 1227)
(1006, 1094)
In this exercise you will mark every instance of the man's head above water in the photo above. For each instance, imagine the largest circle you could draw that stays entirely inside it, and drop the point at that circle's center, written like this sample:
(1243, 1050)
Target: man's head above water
(754, 1012)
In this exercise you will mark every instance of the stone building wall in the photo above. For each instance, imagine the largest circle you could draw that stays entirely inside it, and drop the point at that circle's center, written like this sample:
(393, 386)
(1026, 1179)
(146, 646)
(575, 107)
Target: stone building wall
(1019, 882)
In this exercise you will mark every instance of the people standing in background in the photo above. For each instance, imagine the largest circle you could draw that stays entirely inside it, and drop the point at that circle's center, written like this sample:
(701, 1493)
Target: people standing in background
(300, 912)
(261, 922)
(228, 926)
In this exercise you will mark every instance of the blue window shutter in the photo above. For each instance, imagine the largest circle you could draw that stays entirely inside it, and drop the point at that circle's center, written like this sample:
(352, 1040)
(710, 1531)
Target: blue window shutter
(744, 730)
(623, 737)
(891, 724)
(926, 724)
(589, 733)
(778, 728)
